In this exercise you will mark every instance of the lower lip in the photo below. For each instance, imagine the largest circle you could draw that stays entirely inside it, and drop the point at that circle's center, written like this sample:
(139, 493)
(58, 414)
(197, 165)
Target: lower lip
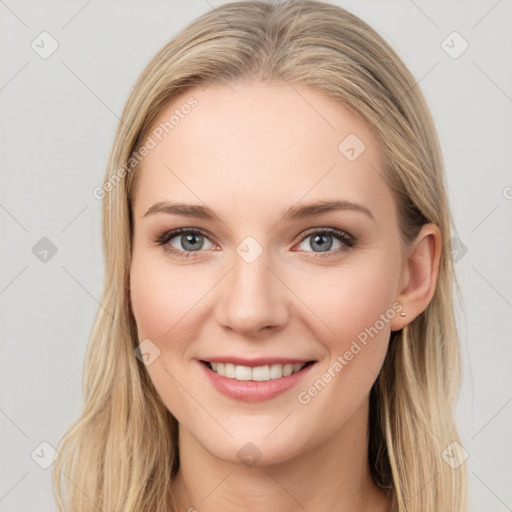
(254, 391)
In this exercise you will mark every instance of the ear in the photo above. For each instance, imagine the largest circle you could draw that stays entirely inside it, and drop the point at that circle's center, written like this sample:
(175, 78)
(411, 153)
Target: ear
(419, 275)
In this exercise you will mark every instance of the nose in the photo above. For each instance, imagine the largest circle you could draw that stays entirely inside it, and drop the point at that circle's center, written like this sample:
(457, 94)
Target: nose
(253, 298)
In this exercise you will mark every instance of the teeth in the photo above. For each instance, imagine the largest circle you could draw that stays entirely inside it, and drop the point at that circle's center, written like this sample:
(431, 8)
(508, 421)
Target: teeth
(230, 370)
(276, 371)
(287, 369)
(297, 367)
(258, 373)
(261, 373)
(241, 373)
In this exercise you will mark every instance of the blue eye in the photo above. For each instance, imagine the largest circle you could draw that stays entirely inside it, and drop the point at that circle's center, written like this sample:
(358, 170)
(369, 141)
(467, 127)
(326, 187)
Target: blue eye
(190, 240)
(185, 242)
(324, 239)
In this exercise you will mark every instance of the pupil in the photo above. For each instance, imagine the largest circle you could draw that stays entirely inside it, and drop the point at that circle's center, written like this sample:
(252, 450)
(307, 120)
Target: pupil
(323, 245)
(190, 242)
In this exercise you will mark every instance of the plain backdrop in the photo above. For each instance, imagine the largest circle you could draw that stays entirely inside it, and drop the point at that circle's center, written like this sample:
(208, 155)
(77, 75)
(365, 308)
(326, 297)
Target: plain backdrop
(58, 116)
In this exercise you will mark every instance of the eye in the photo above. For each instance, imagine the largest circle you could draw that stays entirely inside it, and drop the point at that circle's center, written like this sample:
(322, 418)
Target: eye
(326, 242)
(184, 242)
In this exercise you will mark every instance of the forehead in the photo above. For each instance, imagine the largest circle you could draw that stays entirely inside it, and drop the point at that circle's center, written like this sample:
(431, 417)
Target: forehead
(259, 144)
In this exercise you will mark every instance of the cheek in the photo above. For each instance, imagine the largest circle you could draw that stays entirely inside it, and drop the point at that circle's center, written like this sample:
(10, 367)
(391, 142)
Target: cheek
(166, 304)
(360, 319)
(349, 300)
(163, 298)
(356, 304)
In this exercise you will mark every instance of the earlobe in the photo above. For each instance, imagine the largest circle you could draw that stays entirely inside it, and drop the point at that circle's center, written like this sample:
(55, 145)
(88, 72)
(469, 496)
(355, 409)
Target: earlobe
(421, 273)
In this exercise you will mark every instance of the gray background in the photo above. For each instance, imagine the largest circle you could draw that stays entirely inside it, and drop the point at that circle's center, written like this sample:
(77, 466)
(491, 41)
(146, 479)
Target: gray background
(57, 123)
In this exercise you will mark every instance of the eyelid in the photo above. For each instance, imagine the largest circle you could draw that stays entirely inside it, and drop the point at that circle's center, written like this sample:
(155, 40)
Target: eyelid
(346, 239)
(341, 235)
(334, 231)
(172, 233)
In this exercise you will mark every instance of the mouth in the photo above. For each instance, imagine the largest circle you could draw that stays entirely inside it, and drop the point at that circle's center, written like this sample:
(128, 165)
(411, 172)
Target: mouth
(256, 373)
(258, 382)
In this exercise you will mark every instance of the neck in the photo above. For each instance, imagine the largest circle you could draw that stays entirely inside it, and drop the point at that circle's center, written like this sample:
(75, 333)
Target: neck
(332, 476)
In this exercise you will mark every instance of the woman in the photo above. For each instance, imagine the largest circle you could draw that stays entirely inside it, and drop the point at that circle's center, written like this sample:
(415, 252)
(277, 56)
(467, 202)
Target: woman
(277, 327)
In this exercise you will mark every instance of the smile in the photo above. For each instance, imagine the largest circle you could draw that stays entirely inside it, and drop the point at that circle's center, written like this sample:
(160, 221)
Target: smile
(255, 383)
(257, 373)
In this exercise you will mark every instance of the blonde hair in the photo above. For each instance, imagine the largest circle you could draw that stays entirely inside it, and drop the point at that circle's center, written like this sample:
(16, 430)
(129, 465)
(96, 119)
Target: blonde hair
(122, 452)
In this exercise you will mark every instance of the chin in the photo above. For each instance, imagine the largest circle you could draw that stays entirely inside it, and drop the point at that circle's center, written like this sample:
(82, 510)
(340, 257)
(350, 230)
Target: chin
(258, 446)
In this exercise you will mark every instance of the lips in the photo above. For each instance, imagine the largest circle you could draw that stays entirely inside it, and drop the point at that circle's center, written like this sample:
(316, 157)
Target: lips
(254, 380)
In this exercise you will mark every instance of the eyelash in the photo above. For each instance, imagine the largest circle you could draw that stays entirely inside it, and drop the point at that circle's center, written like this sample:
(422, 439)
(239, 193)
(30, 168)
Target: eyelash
(342, 236)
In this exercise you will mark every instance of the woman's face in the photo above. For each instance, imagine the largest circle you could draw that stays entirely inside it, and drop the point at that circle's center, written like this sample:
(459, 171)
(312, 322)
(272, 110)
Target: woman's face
(263, 278)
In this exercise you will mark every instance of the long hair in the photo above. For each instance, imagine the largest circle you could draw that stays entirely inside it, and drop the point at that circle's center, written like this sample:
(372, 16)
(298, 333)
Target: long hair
(122, 452)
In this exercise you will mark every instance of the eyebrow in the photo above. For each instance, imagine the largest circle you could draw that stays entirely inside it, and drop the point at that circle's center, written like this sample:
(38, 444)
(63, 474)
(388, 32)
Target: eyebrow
(293, 212)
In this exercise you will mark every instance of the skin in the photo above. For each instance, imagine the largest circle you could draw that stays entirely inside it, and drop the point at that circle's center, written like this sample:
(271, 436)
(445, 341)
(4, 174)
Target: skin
(249, 152)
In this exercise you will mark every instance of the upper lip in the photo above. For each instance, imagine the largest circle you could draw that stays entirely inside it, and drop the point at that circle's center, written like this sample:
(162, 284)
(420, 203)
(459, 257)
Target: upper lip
(259, 361)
